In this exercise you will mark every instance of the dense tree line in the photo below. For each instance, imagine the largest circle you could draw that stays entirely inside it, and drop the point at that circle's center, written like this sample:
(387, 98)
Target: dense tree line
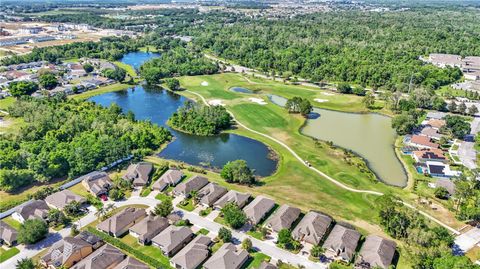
(200, 119)
(69, 138)
(178, 61)
(367, 48)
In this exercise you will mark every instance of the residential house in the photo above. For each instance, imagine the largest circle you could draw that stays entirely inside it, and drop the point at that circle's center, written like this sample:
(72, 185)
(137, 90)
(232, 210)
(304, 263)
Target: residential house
(240, 199)
(435, 123)
(66, 252)
(283, 218)
(227, 257)
(445, 183)
(376, 252)
(172, 239)
(90, 238)
(106, 257)
(119, 223)
(423, 156)
(210, 194)
(436, 115)
(472, 75)
(444, 60)
(422, 142)
(8, 235)
(148, 227)
(194, 184)
(312, 228)
(131, 263)
(258, 209)
(59, 200)
(267, 265)
(169, 178)
(431, 133)
(37, 209)
(341, 243)
(193, 254)
(139, 173)
(98, 183)
(439, 169)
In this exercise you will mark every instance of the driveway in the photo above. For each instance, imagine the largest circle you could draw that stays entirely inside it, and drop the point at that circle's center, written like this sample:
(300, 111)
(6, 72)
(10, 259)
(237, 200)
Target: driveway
(467, 241)
(466, 151)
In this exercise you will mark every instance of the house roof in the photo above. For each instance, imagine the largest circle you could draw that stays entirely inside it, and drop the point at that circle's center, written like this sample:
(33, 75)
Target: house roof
(266, 265)
(284, 218)
(436, 115)
(171, 177)
(139, 173)
(342, 240)
(97, 182)
(105, 257)
(258, 208)
(377, 252)
(233, 197)
(312, 228)
(433, 154)
(150, 226)
(194, 184)
(131, 263)
(192, 255)
(430, 132)
(7, 232)
(211, 193)
(172, 237)
(436, 123)
(62, 198)
(89, 238)
(62, 250)
(121, 220)
(227, 257)
(447, 184)
(34, 209)
(423, 140)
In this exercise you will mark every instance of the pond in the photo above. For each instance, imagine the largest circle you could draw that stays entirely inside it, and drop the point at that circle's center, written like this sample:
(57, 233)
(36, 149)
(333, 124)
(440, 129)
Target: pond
(136, 59)
(369, 135)
(241, 90)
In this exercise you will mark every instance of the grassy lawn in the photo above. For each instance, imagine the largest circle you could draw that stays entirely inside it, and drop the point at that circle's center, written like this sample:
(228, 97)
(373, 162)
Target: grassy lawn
(10, 221)
(255, 234)
(216, 246)
(189, 206)
(6, 102)
(150, 251)
(130, 70)
(256, 259)
(162, 197)
(203, 231)
(221, 220)
(474, 253)
(293, 183)
(101, 90)
(79, 189)
(7, 254)
(205, 212)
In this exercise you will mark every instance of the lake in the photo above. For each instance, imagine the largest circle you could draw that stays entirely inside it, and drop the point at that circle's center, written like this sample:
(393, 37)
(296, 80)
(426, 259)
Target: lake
(369, 135)
(157, 105)
(136, 59)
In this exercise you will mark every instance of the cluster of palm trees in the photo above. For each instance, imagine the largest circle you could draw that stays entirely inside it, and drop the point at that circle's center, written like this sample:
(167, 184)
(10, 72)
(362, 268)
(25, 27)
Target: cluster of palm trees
(105, 211)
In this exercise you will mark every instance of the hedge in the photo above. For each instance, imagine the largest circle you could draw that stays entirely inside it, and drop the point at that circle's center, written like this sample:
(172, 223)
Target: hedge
(119, 244)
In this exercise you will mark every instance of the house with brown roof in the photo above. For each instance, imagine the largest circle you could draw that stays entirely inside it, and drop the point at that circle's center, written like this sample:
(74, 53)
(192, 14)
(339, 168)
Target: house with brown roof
(106, 257)
(131, 263)
(97, 183)
(59, 200)
(172, 239)
(341, 243)
(119, 223)
(227, 257)
(194, 184)
(139, 173)
(169, 178)
(148, 227)
(312, 228)
(376, 252)
(8, 235)
(422, 142)
(436, 123)
(66, 252)
(37, 209)
(258, 209)
(422, 156)
(283, 218)
(192, 255)
(240, 199)
(210, 194)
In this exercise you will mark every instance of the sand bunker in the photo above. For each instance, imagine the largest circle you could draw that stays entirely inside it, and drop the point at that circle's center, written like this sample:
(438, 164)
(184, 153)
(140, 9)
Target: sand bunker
(204, 83)
(216, 102)
(320, 100)
(327, 93)
(257, 101)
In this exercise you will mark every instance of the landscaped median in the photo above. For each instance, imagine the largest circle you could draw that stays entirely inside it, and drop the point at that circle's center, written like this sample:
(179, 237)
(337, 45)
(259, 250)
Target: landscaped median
(7, 254)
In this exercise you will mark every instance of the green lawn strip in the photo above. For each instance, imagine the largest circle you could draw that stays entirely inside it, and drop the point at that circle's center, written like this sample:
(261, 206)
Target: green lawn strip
(255, 234)
(203, 231)
(188, 204)
(79, 189)
(149, 254)
(221, 220)
(6, 102)
(130, 70)
(162, 197)
(7, 254)
(256, 259)
(10, 221)
(216, 246)
(101, 90)
(205, 212)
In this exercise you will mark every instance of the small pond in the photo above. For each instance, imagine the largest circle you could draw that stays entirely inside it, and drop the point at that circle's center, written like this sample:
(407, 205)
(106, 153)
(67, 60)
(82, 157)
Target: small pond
(369, 135)
(136, 59)
(241, 90)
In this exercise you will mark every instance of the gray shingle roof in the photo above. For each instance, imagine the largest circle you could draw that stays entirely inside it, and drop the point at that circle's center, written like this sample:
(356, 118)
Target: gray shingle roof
(172, 237)
(376, 252)
(97, 182)
(105, 257)
(312, 227)
(131, 263)
(62, 198)
(258, 208)
(240, 199)
(171, 177)
(149, 227)
(62, 250)
(211, 193)
(194, 184)
(343, 241)
(227, 257)
(7, 233)
(34, 209)
(121, 220)
(139, 173)
(192, 255)
(284, 218)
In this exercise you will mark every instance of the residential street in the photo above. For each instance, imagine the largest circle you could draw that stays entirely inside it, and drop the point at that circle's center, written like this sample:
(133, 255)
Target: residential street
(466, 151)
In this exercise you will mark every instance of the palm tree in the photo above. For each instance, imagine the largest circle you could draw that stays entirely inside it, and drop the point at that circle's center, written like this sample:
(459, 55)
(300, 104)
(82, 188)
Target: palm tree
(194, 195)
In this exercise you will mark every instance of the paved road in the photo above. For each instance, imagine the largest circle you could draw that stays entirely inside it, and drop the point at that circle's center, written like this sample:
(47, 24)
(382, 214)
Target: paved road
(466, 151)
(468, 240)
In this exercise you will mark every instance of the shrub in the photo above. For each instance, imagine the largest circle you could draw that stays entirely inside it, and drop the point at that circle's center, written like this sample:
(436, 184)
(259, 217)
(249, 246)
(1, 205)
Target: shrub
(225, 235)
(234, 216)
(32, 231)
